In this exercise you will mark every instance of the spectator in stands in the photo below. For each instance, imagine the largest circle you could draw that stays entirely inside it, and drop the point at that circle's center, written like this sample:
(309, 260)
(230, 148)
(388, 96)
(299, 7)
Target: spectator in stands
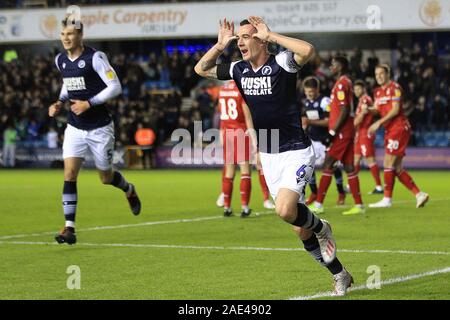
(419, 115)
(152, 68)
(372, 62)
(145, 138)
(205, 106)
(29, 83)
(52, 138)
(440, 119)
(33, 130)
(9, 146)
(196, 135)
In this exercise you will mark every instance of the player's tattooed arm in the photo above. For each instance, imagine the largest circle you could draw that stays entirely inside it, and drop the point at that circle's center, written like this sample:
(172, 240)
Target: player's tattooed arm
(209, 69)
(303, 51)
(211, 73)
(206, 66)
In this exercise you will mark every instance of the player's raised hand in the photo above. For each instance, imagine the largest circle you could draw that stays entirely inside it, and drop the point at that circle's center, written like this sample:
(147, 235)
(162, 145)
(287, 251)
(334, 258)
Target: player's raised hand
(79, 106)
(226, 34)
(54, 109)
(261, 28)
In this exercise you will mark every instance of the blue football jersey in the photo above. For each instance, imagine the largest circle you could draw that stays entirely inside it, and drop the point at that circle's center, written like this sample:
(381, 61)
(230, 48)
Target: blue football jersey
(317, 110)
(270, 93)
(85, 78)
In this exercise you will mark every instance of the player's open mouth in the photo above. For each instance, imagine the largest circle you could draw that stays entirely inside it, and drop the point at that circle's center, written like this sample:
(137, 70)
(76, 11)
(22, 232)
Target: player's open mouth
(244, 51)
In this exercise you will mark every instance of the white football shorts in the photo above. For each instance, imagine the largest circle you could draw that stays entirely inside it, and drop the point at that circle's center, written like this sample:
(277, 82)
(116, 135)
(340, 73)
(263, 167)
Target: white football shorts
(290, 170)
(320, 151)
(100, 141)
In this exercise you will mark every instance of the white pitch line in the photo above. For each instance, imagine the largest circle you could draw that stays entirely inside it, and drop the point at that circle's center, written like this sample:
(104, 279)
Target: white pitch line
(170, 246)
(385, 282)
(123, 226)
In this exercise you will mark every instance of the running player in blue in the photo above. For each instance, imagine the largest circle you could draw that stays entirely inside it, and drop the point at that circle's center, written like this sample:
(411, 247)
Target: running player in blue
(89, 82)
(268, 84)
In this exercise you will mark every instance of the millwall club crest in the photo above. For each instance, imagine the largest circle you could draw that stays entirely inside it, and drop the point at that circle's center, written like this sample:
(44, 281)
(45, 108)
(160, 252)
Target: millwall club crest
(64, 65)
(81, 64)
(266, 70)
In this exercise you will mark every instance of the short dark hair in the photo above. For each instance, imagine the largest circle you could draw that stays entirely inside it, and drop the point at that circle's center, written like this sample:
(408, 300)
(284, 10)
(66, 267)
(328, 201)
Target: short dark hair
(343, 62)
(311, 82)
(71, 21)
(244, 22)
(360, 82)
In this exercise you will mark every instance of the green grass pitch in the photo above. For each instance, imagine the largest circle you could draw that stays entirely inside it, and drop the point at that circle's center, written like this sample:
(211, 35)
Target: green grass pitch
(181, 247)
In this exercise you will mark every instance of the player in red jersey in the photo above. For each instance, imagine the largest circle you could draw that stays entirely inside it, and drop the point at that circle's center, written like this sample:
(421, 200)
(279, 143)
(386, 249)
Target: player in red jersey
(235, 119)
(315, 123)
(364, 143)
(340, 139)
(389, 104)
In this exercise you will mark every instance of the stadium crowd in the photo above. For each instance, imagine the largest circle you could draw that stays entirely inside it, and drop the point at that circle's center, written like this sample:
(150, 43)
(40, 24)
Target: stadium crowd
(154, 87)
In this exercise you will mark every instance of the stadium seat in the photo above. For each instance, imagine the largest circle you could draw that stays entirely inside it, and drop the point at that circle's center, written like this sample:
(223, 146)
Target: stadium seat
(379, 139)
(418, 135)
(447, 135)
(158, 85)
(430, 139)
(442, 140)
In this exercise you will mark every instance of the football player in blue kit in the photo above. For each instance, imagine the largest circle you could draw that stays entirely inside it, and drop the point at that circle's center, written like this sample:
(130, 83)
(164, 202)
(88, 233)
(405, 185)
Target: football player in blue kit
(89, 82)
(268, 84)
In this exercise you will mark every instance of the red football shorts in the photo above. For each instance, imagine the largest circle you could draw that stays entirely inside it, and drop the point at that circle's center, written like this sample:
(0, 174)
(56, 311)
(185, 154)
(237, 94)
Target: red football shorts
(236, 146)
(342, 149)
(396, 140)
(364, 146)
